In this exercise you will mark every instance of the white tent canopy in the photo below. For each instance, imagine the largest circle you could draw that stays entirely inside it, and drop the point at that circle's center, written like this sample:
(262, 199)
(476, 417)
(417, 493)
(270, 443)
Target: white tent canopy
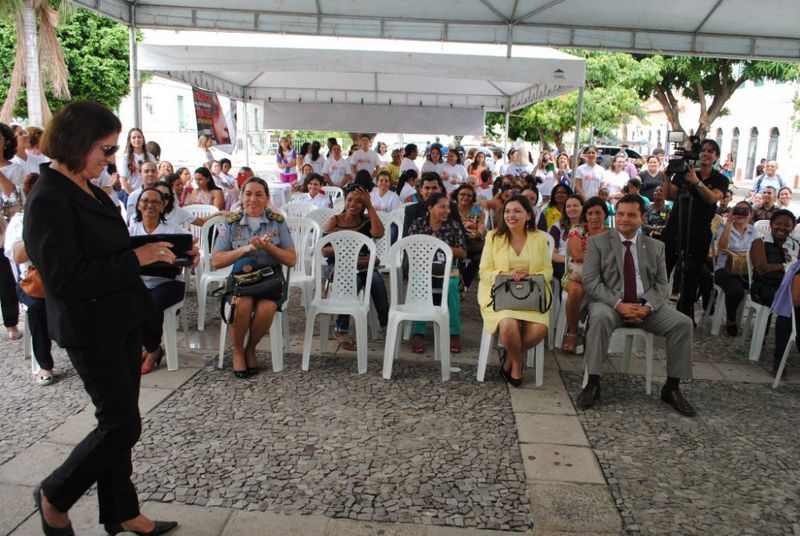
(726, 28)
(405, 87)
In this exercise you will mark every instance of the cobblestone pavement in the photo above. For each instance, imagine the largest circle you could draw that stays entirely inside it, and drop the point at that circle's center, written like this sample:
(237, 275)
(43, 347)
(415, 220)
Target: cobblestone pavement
(344, 445)
(731, 470)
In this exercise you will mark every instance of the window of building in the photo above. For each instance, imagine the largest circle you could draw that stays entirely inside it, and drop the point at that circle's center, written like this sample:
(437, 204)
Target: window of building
(718, 137)
(772, 148)
(181, 119)
(752, 146)
(735, 145)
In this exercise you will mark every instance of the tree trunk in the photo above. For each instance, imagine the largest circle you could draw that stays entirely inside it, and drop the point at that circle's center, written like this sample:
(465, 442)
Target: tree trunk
(669, 103)
(542, 139)
(558, 139)
(33, 84)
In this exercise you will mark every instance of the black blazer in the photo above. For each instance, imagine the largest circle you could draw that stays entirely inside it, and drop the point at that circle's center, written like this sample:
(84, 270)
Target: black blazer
(80, 245)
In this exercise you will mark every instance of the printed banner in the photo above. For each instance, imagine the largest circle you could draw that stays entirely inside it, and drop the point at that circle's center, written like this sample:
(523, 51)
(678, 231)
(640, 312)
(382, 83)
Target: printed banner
(211, 119)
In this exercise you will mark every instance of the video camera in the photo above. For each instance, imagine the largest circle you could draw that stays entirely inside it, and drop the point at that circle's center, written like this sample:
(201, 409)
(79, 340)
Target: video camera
(684, 156)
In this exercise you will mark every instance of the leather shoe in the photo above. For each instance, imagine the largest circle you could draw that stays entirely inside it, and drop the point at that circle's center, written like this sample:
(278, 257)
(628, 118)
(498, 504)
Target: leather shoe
(47, 529)
(589, 395)
(674, 398)
(162, 527)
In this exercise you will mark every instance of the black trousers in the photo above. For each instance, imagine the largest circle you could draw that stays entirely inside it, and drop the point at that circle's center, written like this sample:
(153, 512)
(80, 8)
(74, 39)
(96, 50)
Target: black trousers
(164, 295)
(470, 271)
(111, 376)
(8, 293)
(37, 324)
(695, 258)
(734, 288)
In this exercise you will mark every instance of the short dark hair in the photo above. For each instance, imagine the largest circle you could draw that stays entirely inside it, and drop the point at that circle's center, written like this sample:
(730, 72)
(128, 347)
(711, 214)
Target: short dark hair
(257, 180)
(10, 148)
(224, 161)
(170, 201)
(434, 198)
(713, 143)
(596, 202)
(636, 183)
(463, 187)
(154, 149)
(432, 176)
(364, 179)
(138, 216)
(73, 131)
(313, 177)
(502, 228)
(209, 179)
(783, 212)
(633, 198)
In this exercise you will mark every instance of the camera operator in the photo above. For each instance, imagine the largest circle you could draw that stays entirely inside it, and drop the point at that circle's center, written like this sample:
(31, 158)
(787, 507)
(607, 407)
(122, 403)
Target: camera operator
(696, 211)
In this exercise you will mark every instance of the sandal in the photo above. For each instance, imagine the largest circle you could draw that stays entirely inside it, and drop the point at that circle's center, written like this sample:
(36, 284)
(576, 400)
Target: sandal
(570, 344)
(418, 344)
(344, 341)
(44, 380)
(455, 344)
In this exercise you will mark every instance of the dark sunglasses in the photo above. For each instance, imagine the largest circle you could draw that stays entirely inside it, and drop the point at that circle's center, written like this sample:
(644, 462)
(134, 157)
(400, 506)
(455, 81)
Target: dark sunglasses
(108, 150)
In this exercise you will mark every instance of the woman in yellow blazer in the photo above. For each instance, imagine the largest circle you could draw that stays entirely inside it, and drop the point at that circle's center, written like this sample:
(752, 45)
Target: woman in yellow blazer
(518, 249)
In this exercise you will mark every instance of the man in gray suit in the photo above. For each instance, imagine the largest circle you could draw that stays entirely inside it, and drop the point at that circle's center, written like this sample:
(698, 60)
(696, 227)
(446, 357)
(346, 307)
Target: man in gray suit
(625, 278)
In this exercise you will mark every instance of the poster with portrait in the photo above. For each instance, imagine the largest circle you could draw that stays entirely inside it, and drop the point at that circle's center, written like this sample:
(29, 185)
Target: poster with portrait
(213, 121)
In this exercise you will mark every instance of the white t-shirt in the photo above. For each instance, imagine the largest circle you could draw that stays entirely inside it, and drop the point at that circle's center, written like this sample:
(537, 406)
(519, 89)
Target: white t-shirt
(385, 158)
(389, 202)
(429, 166)
(104, 181)
(134, 177)
(457, 172)
(336, 170)
(317, 165)
(407, 164)
(31, 165)
(591, 178)
(136, 228)
(615, 181)
(548, 181)
(516, 169)
(15, 173)
(368, 160)
(484, 193)
(130, 206)
(321, 200)
(499, 167)
(14, 235)
(406, 192)
(179, 216)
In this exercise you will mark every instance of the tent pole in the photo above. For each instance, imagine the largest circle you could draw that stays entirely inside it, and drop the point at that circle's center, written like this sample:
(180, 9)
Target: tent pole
(578, 118)
(505, 133)
(246, 136)
(136, 89)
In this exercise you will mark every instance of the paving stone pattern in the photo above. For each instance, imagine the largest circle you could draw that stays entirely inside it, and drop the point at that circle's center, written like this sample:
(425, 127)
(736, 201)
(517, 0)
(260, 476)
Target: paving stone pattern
(344, 445)
(731, 470)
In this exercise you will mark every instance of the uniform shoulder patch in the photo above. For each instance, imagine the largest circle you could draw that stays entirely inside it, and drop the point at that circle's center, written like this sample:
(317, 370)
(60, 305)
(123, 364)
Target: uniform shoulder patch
(234, 217)
(274, 216)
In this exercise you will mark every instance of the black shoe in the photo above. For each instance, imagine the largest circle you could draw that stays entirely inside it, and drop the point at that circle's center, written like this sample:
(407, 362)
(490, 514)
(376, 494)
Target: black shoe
(47, 529)
(162, 527)
(241, 374)
(589, 395)
(674, 398)
(252, 371)
(732, 330)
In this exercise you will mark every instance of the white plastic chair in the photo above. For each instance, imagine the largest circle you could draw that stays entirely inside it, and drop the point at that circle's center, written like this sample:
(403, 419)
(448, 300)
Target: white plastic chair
(296, 209)
(201, 211)
(333, 192)
(629, 334)
(789, 343)
(343, 295)
(555, 311)
(418, 303)
(535, 357)
(762, 314)
(338, 205)
(276, 339)
(796, 232)
(322, 215)
(208, 275)
(383, 243)
(27, 343)
(305, 234)
(762, 228)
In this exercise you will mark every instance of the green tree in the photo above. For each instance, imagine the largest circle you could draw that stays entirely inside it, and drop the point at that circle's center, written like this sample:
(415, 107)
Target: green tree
(614, 82)
(96, 52)
(709, 82)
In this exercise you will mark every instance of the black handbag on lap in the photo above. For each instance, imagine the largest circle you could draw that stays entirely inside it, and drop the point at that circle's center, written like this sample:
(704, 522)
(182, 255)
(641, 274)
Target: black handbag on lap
(265, 283)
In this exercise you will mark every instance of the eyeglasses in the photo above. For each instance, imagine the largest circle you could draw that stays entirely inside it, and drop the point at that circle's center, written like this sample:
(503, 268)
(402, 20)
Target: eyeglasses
(108, 150)
(153, 202)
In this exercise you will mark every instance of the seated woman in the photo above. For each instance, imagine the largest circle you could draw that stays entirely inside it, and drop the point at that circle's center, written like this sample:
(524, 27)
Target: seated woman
(593, 217)
(383, 199)
(560, 232)
(555, 206)
(314, 193)
(261, 237)
(14, 248)
(656, 214)
(439, 225)
(770, 254)
(175, 214)
(518, 249)
(164, 291)
(730, 269)
(206, 192)
(352, 218)
(472, 217)
(406, 188)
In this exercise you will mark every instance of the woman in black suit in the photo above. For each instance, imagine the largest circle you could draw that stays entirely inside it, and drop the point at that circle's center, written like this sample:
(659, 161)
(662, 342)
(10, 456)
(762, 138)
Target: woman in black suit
(96, 303)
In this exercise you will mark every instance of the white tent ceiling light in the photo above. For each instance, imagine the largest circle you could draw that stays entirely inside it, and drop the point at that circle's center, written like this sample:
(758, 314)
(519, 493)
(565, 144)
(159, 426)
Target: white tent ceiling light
(400, 84)
(724, 28)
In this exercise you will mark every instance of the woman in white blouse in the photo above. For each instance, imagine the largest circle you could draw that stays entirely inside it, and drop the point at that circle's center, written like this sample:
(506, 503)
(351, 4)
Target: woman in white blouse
(314, 159)
(130, 163)
(314, 193)
(434, 161)
(383, 199)
(616, 177)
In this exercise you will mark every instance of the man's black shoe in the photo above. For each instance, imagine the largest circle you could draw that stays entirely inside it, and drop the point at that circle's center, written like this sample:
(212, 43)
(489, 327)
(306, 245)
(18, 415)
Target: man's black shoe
(589, 395)
(674, 398)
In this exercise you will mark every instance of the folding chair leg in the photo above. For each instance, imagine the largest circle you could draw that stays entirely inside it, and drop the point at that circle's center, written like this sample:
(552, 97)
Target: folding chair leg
(276, 341)
(648, 365)
(443, 329)
(223, 338)
(307, 340)
(778, 374)
(362, 324)
(483, 354)
(626, 356)
(390, 348)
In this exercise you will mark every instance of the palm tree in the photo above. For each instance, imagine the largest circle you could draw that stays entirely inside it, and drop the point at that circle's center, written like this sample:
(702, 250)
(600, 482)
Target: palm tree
(39, 59)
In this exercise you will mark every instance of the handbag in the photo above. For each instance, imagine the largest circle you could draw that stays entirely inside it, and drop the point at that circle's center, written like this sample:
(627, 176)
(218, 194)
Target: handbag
(530, 293)
(736, 264)
(265, 283)
(575, 272)
(32, 284)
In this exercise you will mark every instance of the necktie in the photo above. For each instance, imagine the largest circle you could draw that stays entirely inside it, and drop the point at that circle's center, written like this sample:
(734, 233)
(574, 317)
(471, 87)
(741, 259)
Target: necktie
(629, 275)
